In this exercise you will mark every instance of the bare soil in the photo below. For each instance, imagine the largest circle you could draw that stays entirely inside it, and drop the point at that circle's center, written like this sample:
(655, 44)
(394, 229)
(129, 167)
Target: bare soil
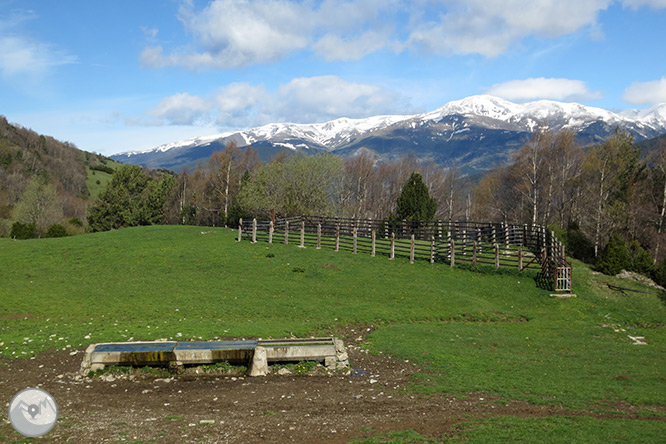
(218, 408)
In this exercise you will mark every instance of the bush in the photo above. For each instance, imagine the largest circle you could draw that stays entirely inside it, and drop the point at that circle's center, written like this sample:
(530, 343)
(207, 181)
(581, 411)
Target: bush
(578, 245)
(102, 168)
(659, 273)
(23, 231)
(614, 257)
(640, 260)
(56, 230)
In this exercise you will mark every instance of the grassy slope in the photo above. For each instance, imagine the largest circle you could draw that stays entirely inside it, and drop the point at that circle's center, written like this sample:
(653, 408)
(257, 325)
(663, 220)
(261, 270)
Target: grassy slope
(498, 334)
(95, 188)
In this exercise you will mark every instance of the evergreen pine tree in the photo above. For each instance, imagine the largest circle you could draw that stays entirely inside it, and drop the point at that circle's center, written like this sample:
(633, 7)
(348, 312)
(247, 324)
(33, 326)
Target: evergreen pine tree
(415, 202)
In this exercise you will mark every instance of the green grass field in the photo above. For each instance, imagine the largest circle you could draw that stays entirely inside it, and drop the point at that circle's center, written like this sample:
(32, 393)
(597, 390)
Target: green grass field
(493, 333)
(95, 176)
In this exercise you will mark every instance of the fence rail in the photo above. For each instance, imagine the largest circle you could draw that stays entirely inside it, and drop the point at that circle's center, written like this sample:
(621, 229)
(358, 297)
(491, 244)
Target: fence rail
(497, 244)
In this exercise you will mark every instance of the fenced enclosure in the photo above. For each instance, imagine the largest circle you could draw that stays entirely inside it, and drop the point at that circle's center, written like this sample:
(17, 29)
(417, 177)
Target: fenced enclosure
(499, 245)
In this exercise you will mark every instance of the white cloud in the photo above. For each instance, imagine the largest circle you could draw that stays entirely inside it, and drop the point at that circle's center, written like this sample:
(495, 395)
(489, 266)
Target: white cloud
(318, 99)
(635, 4)
(302, 100)
(646, 93)
(543, 88)
(20, 55)
(150, 32)
(182, 109)
(237, 33)
(241, 105)
(490, 27)
(334, 48)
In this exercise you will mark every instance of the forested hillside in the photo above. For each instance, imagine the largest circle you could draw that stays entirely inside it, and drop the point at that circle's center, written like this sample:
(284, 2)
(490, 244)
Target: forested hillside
(586, 195)
(39, 174)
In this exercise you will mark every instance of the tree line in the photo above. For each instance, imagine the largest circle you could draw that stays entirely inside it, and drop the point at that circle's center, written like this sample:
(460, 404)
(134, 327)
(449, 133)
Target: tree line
(584, 194)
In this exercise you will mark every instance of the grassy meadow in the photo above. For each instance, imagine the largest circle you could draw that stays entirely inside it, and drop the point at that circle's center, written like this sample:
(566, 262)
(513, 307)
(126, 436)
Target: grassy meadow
(495, 334)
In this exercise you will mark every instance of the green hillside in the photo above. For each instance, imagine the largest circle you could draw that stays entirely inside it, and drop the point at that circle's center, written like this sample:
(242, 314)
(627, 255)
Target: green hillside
(498, 334)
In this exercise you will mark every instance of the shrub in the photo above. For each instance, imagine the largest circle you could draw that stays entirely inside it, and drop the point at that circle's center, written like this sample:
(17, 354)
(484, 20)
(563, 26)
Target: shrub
(102, 168)
(56, 230)
(614, 257)
(578, 245)
(23, 231)
(640, 260)
(659, 273)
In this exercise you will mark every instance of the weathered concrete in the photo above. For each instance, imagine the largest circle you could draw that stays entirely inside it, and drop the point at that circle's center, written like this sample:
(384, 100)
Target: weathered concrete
(259, 365)
(256, 353)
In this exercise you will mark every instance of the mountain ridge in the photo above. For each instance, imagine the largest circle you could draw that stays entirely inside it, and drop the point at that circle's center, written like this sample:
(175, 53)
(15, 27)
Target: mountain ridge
(476, 133)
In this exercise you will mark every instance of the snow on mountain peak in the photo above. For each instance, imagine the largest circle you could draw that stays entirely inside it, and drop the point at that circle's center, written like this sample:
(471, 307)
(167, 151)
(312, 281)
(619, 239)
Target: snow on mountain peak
(481, 105)
(528, 116)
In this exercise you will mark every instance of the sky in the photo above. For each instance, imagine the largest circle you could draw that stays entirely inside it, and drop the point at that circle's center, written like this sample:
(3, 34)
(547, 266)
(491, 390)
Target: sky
(115, 76)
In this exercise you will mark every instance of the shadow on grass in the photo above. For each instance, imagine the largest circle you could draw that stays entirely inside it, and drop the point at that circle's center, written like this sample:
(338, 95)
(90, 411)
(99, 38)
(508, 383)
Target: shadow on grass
(543, 282)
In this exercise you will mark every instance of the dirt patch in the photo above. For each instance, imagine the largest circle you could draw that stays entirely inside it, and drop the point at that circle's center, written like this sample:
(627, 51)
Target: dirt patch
(236, 409)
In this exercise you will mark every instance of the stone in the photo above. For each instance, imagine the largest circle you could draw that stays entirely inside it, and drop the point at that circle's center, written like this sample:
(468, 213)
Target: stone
(284, 371)
(259, 365)
(330, 362)
(339, 345)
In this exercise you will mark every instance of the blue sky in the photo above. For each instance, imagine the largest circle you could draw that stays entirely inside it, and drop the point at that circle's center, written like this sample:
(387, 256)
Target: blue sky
(113, 76)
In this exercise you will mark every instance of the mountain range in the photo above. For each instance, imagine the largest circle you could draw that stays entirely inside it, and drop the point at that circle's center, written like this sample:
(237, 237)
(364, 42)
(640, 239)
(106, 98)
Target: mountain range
(476, 133)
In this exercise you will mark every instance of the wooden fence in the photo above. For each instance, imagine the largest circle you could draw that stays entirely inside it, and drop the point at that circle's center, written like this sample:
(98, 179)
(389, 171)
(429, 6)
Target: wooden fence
(496, 244)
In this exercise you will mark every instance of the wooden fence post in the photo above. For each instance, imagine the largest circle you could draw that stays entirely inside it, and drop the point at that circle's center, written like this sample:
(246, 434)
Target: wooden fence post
(411, 250)
(520, 259)
(355, 236)
(452, 253)
(240, 229)
(497, 258)
(270, 232)
(318, 236)
(286, 232)
(254, 231)
(373, 235)
(302, 245)
(432, 249)
(506, 235)
(474, 253)
(386, 229)
(464, 240)
(392, 253)
(337, 238)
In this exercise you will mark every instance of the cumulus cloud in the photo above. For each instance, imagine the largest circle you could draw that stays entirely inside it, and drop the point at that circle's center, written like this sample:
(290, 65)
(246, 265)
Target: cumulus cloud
(182, 109)
(490, 27)
(317, 99)
(646, 93)
(237, 33)
(241, 105)
(302, 100)
(543, 88)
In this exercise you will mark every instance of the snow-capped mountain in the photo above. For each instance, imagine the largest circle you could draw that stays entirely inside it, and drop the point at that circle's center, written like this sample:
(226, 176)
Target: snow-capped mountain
(476, 133)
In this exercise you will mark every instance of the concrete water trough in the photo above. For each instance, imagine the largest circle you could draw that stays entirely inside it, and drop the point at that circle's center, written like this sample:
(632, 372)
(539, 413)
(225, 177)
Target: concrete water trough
(256, 354)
